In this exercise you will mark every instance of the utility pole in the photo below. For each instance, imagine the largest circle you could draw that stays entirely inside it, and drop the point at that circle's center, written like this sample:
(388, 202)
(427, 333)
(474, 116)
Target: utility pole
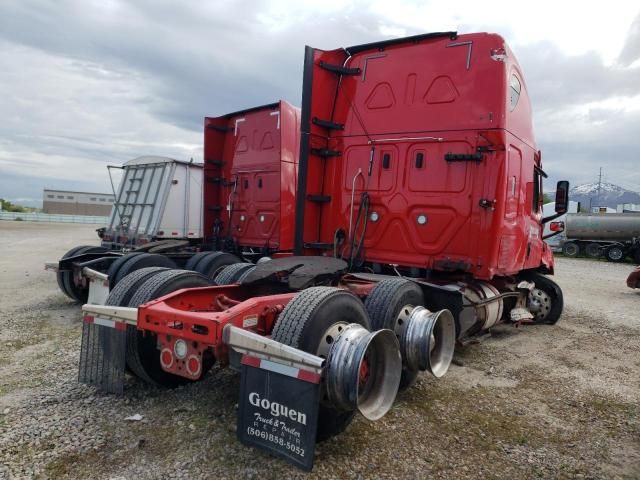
(599, 186)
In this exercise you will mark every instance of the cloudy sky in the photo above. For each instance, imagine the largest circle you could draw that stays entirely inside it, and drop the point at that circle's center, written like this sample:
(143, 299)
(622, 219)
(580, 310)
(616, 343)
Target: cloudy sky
(88, 83)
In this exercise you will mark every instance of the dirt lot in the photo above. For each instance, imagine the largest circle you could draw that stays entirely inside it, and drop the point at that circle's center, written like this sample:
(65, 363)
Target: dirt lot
(535, 402)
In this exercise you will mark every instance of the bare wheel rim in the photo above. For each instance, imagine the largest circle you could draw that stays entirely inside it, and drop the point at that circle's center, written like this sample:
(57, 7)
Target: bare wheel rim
(539, 304)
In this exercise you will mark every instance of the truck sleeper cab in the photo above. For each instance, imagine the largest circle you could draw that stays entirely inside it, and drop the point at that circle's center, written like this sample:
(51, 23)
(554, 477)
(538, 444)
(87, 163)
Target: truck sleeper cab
(436, 162)
(250, 161)
(418, 158)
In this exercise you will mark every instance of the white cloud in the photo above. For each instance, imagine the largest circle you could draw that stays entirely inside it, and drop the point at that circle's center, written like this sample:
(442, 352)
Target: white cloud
(86, 83)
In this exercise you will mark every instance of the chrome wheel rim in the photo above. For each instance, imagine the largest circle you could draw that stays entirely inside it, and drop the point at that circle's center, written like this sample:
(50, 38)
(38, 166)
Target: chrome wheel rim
(539, 304)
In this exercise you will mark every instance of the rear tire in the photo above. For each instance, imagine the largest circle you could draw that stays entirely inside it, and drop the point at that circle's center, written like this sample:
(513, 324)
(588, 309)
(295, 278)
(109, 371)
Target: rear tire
(79, 293)
(127, 287)
(615, 253)
(302, 325)
(571, 249)
(232, 273)
(143, 357)
(193, 261)
(116, 264)
(636, 256)
(212, 264)
(592, 250)
(60, 275)
(141, 261)
(245, 274)
(383, 305)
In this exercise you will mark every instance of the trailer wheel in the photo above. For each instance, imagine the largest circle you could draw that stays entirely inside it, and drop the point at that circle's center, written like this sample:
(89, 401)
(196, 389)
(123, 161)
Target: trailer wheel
(571, 249)
(303, 323)
(141, 261)
(78, 293)
(384, 304)
(193, 261)
(592, 250)
(60, 275)
(614, 253)
(232, 273)
(213, 263)
(143, 357)
(545, 300)
(115, 266)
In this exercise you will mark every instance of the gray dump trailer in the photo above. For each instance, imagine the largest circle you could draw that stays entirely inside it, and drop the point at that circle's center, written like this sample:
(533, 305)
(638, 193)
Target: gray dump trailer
(159, 198)
(615, 236)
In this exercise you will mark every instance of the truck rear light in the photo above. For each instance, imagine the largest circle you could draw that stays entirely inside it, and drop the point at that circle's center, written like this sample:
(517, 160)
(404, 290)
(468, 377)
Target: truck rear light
(166, 358)
(556, 226)
(193, 366)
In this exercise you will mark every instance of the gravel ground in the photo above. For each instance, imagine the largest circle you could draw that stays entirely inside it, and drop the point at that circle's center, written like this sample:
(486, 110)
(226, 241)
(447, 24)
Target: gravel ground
(533, 402)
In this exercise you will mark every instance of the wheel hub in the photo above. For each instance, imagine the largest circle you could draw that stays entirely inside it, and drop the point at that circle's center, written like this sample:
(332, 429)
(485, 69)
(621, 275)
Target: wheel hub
(539, 304)
(363, 375)
(615, 253)
(329, 337)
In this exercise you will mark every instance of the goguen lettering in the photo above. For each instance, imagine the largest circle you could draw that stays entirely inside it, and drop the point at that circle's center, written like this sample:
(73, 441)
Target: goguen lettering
(277, 409)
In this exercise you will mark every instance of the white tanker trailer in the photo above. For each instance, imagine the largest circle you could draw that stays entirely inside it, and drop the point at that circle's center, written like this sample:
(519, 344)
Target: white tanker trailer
(614, 235)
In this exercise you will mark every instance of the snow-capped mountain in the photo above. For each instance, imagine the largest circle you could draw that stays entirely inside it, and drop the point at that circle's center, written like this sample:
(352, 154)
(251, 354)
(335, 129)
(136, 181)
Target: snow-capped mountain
(610, 195)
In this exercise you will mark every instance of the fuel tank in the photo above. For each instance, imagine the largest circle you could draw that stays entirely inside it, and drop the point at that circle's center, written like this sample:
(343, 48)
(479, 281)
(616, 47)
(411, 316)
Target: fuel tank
(606, 226)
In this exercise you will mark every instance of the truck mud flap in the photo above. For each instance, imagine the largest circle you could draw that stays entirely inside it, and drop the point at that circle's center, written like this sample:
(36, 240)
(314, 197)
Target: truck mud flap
(278, 410)
(102, 354)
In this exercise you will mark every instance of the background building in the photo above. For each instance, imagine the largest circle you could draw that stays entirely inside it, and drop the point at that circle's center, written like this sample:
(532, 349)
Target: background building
(628, 207)
(76, 203)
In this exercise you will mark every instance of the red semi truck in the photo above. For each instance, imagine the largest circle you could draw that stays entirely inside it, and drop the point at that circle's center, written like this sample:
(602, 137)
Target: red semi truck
(418, 225)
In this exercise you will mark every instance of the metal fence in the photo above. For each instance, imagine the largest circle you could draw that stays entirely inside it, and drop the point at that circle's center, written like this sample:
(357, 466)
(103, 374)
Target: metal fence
(53, 218)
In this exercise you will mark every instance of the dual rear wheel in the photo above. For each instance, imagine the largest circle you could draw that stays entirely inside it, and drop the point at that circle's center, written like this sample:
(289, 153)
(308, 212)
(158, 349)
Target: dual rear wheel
(309, 323)
(303, 325)
(137, 288)
(210, 264)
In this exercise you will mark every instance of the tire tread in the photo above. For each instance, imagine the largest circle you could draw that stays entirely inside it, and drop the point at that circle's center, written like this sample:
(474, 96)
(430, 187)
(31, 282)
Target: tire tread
(231, 273)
